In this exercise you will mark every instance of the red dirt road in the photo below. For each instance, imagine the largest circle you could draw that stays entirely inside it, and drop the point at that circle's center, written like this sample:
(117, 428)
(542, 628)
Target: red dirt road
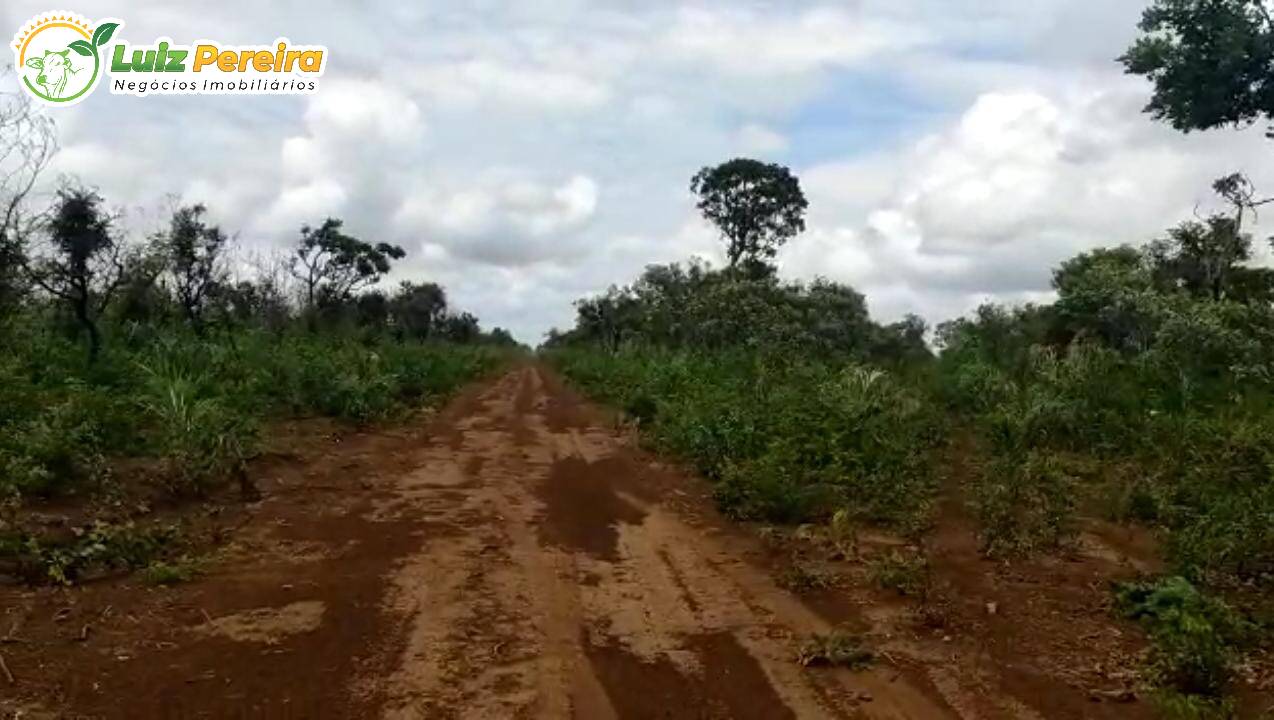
(516, 557)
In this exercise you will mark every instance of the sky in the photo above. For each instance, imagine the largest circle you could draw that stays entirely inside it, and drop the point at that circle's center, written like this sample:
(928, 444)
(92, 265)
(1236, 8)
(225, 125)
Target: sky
(526, 154)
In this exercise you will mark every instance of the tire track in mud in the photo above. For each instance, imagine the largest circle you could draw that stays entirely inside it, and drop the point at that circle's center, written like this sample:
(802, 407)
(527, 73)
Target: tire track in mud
(573, 588)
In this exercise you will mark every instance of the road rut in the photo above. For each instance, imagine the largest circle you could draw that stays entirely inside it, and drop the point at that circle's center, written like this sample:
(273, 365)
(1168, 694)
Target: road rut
(569, 576)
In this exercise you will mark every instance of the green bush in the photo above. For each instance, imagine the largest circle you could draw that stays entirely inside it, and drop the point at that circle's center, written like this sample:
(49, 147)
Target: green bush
(1196, 639)
(97, 547)
(1024, 502)
(202, 442)
(55, 451)
(196, 403)
(835, 649)
(905, 573)
(180, 570)
(783, 441)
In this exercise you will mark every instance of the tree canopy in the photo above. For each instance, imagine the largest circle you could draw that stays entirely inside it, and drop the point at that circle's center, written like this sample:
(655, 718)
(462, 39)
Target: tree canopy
(757, 207)
(1211, 62)
(332, 266)
(196, 253)
(83, 264)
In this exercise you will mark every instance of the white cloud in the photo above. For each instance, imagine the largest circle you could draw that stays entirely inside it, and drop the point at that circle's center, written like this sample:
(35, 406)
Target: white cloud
(745, 42)
(468, 84)
(363, 112)
(759, 139)
(984, 208)
(506, 221)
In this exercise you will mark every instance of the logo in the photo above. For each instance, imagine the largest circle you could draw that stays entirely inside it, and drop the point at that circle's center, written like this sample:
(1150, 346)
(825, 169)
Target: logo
(58, 55)
(61, 57)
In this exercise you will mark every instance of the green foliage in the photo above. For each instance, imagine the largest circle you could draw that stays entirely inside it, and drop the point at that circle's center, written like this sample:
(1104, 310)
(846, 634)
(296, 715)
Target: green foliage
(1196, 638)
(835, 649)
(757, 207)
(1024, 503)
(419, 309)
(100, 546)
(193, 404)
(173, 572)
(695, 308)
(783, 441)
(56, 450)
(906, 573)
(332, 266)
(1209, 61)
(84, 262)
(1156, 362)
(196, 258)
(1217, 484)
(187, 362)
(201, 440)
(351, 381)
(802, 577)
(196, 403)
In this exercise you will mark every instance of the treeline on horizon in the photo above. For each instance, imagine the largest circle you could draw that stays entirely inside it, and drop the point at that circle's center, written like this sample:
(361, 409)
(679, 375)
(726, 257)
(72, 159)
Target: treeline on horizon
(75, 264)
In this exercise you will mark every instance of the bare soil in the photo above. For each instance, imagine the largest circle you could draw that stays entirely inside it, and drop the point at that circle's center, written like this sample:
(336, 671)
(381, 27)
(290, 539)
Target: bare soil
(518, 556)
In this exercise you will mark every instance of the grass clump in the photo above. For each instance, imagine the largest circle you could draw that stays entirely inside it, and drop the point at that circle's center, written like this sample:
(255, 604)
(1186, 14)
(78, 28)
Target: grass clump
(902, 572)
(835, 649)
(182, 569)
(803, 577)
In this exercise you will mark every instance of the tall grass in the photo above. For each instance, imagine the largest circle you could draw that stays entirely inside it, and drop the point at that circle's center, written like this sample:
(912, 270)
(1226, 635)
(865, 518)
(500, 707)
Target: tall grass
(195, 404)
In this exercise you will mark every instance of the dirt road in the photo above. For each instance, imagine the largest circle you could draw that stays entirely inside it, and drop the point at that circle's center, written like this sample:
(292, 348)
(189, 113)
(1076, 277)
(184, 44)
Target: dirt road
(513, 557)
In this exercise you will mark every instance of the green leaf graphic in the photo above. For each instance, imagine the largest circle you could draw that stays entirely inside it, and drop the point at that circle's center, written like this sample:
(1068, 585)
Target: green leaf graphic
(81, 47)
(103, 33)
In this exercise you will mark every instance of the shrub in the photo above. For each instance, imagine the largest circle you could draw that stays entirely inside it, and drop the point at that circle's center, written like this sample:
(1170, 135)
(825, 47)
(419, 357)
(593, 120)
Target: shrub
(801, 577)
(784, 442)
(180, 570)
(203, 443)
(1196, 638)
(98, 546)
(55, 451)
(1024, 503)
(904, 573)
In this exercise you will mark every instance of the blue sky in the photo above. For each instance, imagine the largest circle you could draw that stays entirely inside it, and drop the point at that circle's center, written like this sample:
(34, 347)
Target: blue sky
(528, 153)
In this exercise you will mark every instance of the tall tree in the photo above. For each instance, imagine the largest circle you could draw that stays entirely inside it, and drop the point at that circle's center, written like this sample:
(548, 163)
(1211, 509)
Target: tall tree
(1104, 294)
(1211, 62)
(1208, 257)
(196, 254)
(1201, 257)
(1240, 194)
(757, 207)
(502, 338)
(371, 310)
(332, 266)
(607, 318)
(418, 310)
(84, 263)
